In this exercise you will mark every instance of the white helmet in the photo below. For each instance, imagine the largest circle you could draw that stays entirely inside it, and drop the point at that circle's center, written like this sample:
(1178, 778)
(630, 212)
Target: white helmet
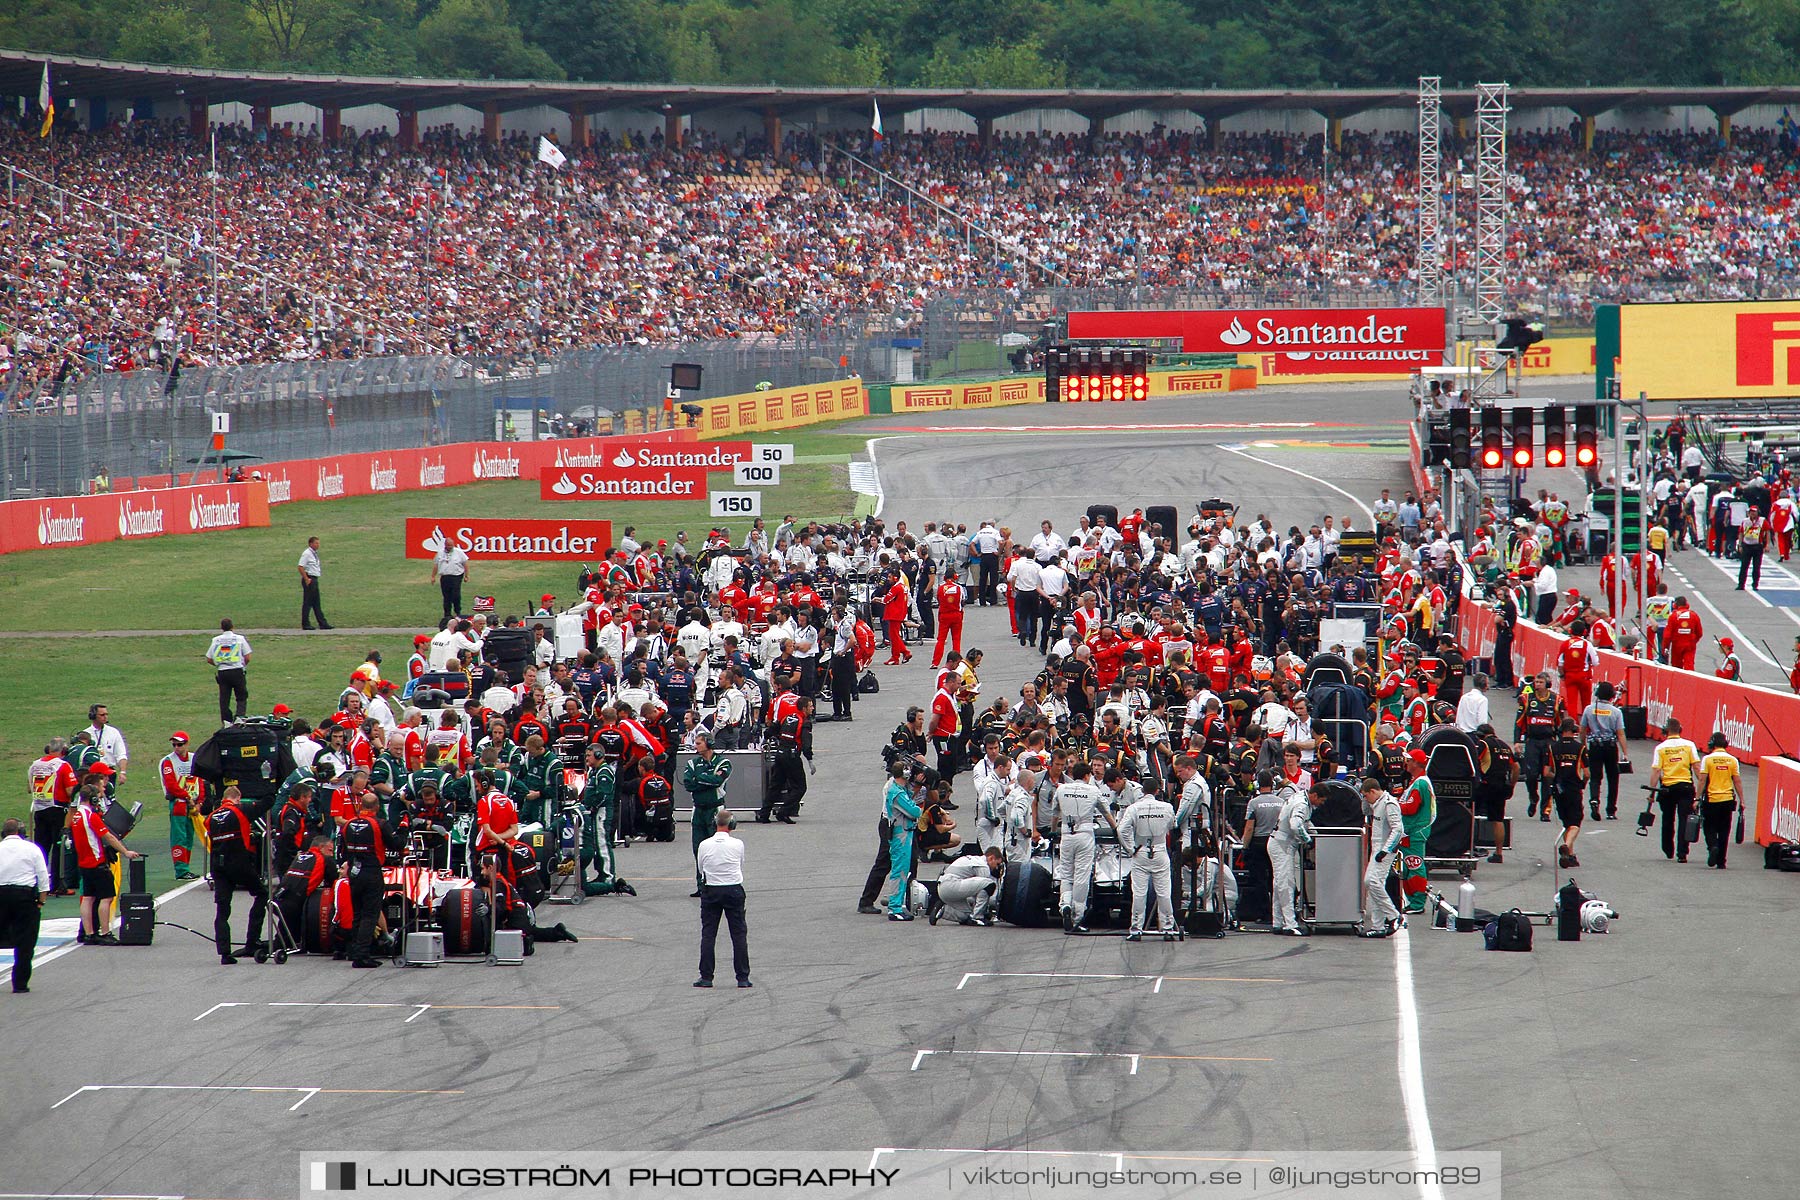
(1261, 669)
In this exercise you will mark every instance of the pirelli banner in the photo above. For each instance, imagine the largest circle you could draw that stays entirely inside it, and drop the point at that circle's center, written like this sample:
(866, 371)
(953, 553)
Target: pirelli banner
(952, 397)
(782, 408)
(1029, 389)
(1710, 351)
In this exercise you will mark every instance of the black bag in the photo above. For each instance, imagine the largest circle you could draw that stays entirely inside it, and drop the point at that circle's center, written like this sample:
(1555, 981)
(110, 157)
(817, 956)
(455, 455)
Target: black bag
(454, 684)
(251, 755)
(528, 874)
(868, 685)
(137, 919)
(134, 875)
(1568, 912)
(1025, 895)
(1512, 930)
(1637, 721)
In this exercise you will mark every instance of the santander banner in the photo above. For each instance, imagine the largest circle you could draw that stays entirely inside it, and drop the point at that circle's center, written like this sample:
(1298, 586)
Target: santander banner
(449, 466)
(1777, 801)
(160, 507)
(1289, 331)
(614, 482)
(1759, 723)
(1281, 364)
(509, 538)
(90, 520)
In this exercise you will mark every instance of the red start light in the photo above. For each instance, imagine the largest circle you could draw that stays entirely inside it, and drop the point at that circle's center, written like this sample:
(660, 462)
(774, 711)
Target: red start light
(1521, 457)
(1491, 458)
(1553, 456)
(1584, 456)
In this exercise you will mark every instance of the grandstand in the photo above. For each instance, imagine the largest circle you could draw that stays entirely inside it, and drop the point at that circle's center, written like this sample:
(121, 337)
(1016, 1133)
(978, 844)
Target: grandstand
(126, 249)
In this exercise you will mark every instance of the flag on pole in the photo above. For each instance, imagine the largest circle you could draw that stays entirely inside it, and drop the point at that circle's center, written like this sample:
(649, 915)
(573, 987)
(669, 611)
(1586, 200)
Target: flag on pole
(876, 123)
(548, 152)
(45, 102)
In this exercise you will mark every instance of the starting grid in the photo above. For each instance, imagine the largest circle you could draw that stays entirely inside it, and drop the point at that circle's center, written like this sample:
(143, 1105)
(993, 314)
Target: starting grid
(921, 1058)
(1133, 1060)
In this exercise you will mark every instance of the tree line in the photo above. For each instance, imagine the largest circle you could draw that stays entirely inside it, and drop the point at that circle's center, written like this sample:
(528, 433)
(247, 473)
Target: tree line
(948, 43)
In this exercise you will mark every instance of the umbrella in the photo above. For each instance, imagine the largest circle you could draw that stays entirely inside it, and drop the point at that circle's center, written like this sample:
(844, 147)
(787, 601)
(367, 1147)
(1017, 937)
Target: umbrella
(225, 456)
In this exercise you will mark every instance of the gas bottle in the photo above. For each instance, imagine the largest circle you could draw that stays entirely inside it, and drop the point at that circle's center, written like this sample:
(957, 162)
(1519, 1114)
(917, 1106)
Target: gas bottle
(1465, 899)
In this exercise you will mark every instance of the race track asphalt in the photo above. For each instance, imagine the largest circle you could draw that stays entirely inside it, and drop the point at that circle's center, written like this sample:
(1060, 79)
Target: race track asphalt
(1638, 1064)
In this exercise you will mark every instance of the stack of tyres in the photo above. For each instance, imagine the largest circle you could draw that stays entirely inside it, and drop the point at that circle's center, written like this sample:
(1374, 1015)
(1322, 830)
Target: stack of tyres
(1166, 516)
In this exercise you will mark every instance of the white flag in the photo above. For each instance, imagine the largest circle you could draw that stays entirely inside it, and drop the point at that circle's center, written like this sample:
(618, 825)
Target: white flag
(876, 123)
(548, 152)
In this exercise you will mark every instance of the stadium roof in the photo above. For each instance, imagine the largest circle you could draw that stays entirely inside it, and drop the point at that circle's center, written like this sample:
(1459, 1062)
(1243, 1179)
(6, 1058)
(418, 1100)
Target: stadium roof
(86, 78)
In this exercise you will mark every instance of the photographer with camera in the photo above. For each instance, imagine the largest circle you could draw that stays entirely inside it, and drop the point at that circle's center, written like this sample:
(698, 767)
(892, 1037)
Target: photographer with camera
(236, 849)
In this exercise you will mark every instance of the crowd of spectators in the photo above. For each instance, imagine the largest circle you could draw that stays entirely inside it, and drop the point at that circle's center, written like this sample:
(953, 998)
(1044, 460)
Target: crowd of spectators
(361, 248)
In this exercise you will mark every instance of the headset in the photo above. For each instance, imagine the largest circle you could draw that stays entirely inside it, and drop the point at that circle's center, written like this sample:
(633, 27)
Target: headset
(94, 711)
(730, 822)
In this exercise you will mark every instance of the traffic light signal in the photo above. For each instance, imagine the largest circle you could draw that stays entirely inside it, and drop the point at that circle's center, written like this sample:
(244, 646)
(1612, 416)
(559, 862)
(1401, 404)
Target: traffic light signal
(1523, 420)
(1587, 435)
(1097, 373)
(1459, 439)
(1555, 436)
(1437, 446)
(1493, 439)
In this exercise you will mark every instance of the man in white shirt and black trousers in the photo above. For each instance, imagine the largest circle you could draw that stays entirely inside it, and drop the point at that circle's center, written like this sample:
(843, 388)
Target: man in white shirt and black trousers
(310, 570)
(24, 885)
(843, 661)
(721, 863)
(450, 567)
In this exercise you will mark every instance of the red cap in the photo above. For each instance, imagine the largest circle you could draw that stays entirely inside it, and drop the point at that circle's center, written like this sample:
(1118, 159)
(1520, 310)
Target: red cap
(1418, 756)
(385, 685)
(100, 769)
(546, 598)
(1574, 591)
(178, 736)
(420, 639)
(1726, 642)
(280, 710)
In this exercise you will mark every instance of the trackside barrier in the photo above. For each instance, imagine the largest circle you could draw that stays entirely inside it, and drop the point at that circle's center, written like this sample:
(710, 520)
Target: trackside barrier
(1759, 723)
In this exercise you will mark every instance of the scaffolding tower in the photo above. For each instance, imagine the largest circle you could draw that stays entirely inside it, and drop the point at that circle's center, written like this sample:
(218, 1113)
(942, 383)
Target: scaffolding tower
(1490, 201)
(1430, 264)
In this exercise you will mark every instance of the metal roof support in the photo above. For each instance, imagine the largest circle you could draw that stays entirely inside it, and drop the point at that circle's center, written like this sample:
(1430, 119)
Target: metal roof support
(1430, 264)
(1490, 201)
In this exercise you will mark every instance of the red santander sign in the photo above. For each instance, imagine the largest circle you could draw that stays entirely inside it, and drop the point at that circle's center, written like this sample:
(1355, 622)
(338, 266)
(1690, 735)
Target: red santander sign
(615, 482)
(1349, 362)
(509, 538)
(1257, 330)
